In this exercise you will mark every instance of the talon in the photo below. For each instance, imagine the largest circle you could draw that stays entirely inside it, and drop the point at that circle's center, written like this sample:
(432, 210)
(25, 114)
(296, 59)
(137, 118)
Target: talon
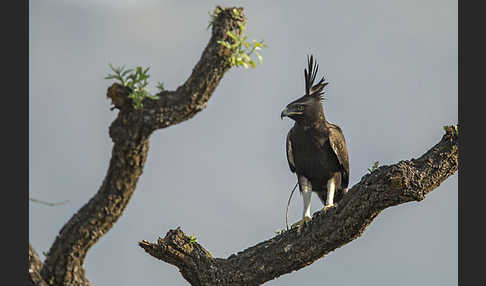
(301, 223)
(328, 207)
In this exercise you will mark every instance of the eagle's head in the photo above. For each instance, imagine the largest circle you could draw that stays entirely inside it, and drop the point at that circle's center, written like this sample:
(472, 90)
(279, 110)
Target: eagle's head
(308, 108)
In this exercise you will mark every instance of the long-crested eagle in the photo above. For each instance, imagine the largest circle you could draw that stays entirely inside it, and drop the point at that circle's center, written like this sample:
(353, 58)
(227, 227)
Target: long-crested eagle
(316, 149)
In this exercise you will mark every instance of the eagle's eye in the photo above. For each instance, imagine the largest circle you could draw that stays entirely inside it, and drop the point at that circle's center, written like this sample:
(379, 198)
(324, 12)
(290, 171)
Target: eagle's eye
(300, 107)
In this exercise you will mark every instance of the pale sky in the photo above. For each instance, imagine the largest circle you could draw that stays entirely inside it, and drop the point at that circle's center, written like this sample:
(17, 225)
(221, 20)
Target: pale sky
(223, 175)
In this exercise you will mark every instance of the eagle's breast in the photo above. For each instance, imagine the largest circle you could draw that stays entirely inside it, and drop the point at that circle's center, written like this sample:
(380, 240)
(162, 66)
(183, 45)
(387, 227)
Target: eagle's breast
(313, 156)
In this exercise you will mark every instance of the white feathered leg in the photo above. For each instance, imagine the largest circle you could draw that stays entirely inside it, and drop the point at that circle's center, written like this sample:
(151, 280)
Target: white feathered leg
(307, 195)
(331, 186)
(306, 191)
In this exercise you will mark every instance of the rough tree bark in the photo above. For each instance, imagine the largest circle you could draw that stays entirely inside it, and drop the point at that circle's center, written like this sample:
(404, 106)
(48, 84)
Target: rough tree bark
(130, 132)
(385, 187)
(35, 266)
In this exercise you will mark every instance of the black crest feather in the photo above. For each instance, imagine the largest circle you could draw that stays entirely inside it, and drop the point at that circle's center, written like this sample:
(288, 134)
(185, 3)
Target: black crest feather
(310, 74)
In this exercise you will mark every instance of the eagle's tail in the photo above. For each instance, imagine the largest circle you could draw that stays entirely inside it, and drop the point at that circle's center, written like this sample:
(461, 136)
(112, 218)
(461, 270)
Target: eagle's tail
(288, 203)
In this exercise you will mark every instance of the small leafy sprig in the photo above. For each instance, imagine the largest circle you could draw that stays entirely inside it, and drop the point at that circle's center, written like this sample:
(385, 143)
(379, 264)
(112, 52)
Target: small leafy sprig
(241, 49)
(456, 128)
(192, 239)
(212, 16)
(137, 80)
(160, 86)
(279, 231)
(374, 167)
(120, 73)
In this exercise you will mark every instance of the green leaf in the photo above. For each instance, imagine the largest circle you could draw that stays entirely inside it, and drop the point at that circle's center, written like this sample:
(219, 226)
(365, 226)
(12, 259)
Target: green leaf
(261, 44)
(257, 44)
(242, 28)
(225, 44)
(232, 36)
(192, 239)
(374, 167)
(260, 58)
(160, 86)
(245, 56)
(126, 72)
(246, 44)
(137, 80)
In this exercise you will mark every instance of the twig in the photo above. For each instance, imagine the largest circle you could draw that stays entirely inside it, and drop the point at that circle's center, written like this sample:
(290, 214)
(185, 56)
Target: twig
(48, 203)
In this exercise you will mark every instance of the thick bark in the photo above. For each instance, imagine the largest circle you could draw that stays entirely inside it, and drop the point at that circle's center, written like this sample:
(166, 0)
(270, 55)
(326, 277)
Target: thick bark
(385, 187)
(130, 132)
(35, 266)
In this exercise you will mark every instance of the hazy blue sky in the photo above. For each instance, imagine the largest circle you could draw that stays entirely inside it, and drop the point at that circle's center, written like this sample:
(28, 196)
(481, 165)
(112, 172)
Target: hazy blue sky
(223, 175)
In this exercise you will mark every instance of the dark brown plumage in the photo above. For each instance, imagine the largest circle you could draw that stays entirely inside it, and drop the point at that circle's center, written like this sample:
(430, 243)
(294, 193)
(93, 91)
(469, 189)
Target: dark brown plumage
(316, 149)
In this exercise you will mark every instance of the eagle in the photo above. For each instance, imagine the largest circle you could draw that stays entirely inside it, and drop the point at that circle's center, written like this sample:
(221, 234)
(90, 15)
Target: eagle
(316, 149)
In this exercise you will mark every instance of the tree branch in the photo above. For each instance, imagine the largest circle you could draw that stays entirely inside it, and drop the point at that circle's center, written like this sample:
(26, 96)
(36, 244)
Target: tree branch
(48, 203)
(130, 132)
(385, 187)
(35, 266)
(173, 107)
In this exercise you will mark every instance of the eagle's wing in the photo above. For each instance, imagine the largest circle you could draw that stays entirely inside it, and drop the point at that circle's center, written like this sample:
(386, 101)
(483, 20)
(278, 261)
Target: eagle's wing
(338, 145)
(290, 155)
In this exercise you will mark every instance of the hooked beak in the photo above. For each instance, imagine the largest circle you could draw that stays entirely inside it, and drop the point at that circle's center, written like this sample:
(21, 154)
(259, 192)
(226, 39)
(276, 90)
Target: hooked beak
(287, 112)
(284, 113)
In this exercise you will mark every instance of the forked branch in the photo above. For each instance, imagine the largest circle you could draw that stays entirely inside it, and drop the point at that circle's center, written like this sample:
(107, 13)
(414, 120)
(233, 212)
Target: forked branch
(130, 132)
